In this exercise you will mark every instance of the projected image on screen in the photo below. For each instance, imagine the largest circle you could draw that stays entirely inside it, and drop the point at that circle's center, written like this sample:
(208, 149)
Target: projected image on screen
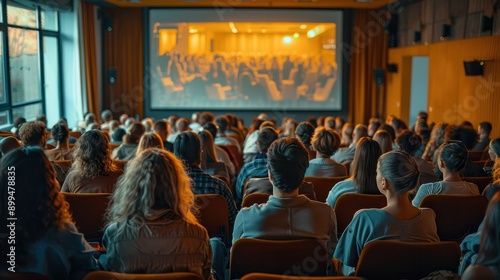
(245, 65)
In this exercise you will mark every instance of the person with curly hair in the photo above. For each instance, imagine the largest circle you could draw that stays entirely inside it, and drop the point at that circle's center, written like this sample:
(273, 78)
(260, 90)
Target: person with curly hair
(93, 170)
(46, 240)
(325, 142)
(151, 223)
(494, 152)
(437, 138)
(62, 151)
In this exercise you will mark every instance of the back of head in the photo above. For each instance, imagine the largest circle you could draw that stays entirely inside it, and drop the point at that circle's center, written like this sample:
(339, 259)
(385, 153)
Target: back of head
(41, 118)
(8, 144)
(466, 134)
(149, 140)
(154, 186)
(39, 204)
(304, 132)
(208, 147)
(89, 118)
(59, 132)
(106, 115)
(339, 123)
(359, 131)
(454, 154)
(212, 128)
(33, 133)
(148, 124)
(409, 142)
(400, 169)
(383, 138)
(92, 156)
(364, 165)
(325, 141)
(486, 127)
(206, 117)
(222, 122)
(160, 126)
(287, 161)
(267, 124)
(389, 130)
(129, 122)
(182, 125)
(135, 131)
(187, 147)
(114, 125)
(329, 122)
(425, 133)
(123, 118)
(117, 135)
(266, 136)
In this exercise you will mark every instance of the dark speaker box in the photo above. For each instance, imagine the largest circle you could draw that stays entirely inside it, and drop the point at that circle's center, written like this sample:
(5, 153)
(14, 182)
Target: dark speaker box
(111, 75)
(379, 76)
(473, 68)
(392, 68)
(486, 24)
(446, 30)
(417, 36)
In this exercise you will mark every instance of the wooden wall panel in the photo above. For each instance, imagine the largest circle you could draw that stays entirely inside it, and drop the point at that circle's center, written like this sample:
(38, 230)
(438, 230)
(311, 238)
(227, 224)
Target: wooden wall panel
(453, 97)
(473, 26)
(441, 10)
(458, 8)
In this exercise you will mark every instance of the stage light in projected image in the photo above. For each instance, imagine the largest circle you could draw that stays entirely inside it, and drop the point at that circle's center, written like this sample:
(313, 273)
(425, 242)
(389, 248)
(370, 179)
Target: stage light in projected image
(303, 26)
(295, 35)
(193, 30)
(311, 34)
(287, 39)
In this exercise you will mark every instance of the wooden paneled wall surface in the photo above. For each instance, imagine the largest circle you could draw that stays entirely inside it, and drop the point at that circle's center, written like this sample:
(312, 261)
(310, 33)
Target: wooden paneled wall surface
(429, 16)
(452, 96)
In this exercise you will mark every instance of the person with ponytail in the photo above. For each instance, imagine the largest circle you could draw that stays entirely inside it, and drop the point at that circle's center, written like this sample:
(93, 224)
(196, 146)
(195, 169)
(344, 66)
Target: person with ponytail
(494, 152)
(60, 134)
(305, 132)
(397, 175)
(151, 224)
(452, 158)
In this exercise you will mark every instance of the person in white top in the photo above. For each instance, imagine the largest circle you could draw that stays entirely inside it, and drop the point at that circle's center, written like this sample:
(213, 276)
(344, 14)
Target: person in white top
(452, 158)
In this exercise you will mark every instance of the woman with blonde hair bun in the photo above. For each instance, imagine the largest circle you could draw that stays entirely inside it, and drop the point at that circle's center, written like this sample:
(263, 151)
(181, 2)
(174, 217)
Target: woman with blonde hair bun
(151, 226)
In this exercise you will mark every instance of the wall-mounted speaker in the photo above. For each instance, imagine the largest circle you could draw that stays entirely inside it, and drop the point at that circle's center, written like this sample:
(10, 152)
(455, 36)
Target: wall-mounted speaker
(378, 75)
(108, 24)
(417, 36)
(446, 31)
(487, 24)
(111, 75)
(392, 68)
(473, 68)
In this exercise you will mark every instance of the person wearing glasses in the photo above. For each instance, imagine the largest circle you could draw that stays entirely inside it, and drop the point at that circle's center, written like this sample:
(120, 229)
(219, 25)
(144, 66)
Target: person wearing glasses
(452, 158)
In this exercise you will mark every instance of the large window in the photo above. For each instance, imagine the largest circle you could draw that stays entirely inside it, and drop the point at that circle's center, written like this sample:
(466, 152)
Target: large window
(29, 62)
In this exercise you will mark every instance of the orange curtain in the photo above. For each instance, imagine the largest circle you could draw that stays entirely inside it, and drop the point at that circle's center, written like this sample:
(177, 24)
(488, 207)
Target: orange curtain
(89, 44)
(368, 51)
(123, 51)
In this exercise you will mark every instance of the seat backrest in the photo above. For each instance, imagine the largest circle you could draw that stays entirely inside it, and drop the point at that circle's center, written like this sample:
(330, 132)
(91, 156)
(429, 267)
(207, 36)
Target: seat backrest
(234, 154)
(268, 276)
(282, 257)
(75, 134)
(64, 164)
(214, 215)
(475, 155)
(263, 185)
(481, 182)
(120, 164)
(87, 210)
(456, 215)
(216, 168)
(108, 275)
(389, 259)
(348, 204)
(253, 198)
(23, 276)
(323, 185)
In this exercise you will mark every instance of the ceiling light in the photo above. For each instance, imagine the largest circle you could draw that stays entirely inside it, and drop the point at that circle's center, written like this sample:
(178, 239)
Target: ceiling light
(295, 35)
(287, 39)
(193, 30)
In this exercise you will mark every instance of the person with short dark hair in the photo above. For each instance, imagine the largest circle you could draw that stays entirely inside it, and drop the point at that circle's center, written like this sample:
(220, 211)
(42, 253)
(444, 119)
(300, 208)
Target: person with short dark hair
(257, 167)
(106, 118)
(34, 134)
(288, 215)
(221, 138)
(325, 142)
(9, 143)
(452, 158)
(187, 147)
(60, 134)
(161, 128)
(484, 131)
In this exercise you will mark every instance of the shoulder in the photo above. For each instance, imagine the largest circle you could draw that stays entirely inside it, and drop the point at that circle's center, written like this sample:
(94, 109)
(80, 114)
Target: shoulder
(477, 271)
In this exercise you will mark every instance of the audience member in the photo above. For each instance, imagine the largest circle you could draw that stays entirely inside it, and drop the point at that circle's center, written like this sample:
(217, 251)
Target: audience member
(363, 172)
(347, 131)
(187, 147)
(345, 155)
(46, 240)
(181, 125)
(384, 139)
(222, 123)
(106, 118)
(161, 128)
(151, 226)
(437, 139)
(220, 154)
(484, 131)
(128, 148)
(8, 144)
(304, 133)
(62, 151)
(149, 140)
(93, 170)
(209, 162)
(148, 124)
(287, 215)
(494, 152)
(325, 142)
(452, 158)
(397, 174)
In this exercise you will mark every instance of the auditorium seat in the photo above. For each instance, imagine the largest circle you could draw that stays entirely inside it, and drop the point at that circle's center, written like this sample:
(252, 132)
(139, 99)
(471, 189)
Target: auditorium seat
(108, 275)
(218, 92)
(348, 204)
(389, 259)
(269, 87)
(75, 134)
(322, 94)
(456, 215)
(253, 198)
(88, 210)
(323, 185)
(24, 276)
(282, 257)
(481, 182)
(214, 215)
(268, 276)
